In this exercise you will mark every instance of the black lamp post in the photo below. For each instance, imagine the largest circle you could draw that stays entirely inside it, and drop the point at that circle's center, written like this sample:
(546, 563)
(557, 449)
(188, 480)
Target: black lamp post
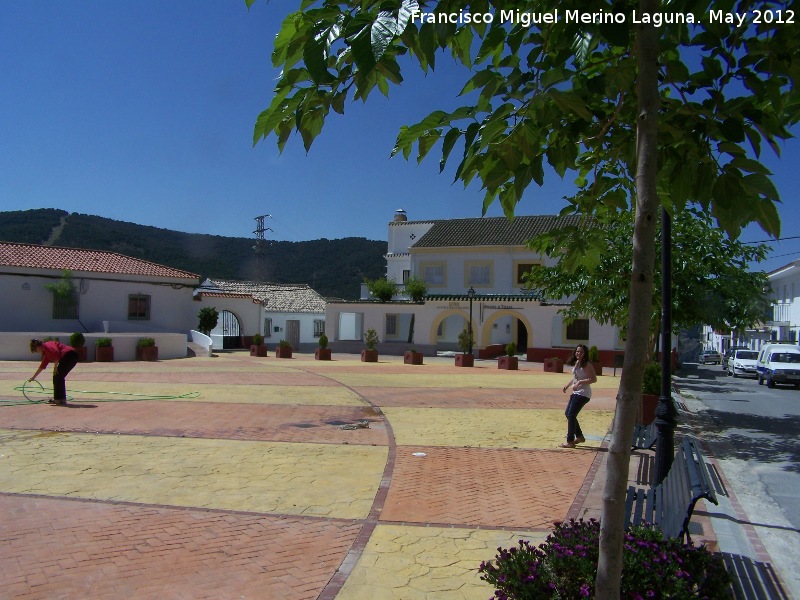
(471, 296)
(666, 413)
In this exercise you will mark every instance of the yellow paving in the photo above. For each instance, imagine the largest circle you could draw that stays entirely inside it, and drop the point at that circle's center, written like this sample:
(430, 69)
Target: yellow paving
(302, 479)
(490, 428)
(418, 379)
(426, 563)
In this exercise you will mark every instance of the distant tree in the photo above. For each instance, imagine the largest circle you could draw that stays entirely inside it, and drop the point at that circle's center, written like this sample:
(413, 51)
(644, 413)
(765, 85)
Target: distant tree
(416, 289)
(712, 284)
(661, 109)
(382, 289)
(208, 318)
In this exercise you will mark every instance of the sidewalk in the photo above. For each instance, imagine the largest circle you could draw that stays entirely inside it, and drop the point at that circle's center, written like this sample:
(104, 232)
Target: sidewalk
(254, 489)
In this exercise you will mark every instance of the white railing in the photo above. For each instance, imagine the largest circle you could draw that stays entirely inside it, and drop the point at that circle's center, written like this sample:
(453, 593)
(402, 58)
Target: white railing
(781, 313)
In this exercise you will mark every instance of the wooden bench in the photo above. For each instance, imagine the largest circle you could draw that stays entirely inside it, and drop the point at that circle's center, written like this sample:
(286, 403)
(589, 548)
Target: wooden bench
(670, 504)
(644, 437)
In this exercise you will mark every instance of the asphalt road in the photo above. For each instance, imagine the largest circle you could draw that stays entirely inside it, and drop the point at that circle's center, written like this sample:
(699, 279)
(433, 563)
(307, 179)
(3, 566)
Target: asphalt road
(754, 432)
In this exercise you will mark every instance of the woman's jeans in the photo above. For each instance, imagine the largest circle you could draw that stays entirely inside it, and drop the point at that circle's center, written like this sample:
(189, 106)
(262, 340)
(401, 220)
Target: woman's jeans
(60, 372)
(574, 406)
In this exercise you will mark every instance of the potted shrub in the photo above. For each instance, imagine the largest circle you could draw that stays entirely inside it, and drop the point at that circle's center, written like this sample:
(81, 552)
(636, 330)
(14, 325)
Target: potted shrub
(509, 361)
(412, 357)
(594, 358)
(651, 391)
(466, 358)
(257, 348)
(104, 350)
(323, 352)
(554, 365)
(370, 354)
(284, 350)
(78, 341)
(146, 349)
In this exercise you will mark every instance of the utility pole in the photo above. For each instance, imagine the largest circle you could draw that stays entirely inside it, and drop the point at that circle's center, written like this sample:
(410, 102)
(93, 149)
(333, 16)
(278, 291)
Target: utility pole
(260, 246)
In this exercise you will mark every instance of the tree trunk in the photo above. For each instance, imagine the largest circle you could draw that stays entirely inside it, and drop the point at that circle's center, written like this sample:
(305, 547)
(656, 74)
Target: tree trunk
(609, 567)
(411, 330)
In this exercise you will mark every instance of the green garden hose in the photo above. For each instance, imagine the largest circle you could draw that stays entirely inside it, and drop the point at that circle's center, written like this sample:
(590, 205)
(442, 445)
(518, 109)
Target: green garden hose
(35, 393)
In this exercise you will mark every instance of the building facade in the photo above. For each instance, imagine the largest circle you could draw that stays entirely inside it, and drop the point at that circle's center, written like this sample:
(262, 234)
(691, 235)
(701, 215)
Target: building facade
(474, 270)
(59, 291)
(291, 312)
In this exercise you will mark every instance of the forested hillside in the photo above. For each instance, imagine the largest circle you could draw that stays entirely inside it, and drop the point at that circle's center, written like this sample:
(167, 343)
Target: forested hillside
(334, 268)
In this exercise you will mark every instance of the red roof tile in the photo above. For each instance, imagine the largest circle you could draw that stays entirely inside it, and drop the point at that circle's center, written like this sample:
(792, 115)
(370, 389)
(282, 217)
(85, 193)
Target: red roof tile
(32, 256)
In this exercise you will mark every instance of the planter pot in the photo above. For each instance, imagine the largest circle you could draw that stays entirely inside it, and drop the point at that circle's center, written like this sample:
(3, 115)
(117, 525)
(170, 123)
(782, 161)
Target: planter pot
(598, 368)
(412, 358)
(149, 353)
(322, 354)
(369, 356)
(553, 365)
(649, 405)
(83, 353)
(508, 363)
(104, 354)
(258, 350)
(465, 360)
(283, 352)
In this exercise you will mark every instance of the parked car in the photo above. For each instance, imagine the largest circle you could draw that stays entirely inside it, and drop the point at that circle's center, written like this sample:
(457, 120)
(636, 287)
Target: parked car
(778, 363)
(709, 357)
(729, 352)
(743, 363)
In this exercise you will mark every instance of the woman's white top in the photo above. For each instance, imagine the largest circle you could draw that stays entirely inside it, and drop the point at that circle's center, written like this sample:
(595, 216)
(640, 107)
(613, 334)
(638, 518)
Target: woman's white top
(584, 389)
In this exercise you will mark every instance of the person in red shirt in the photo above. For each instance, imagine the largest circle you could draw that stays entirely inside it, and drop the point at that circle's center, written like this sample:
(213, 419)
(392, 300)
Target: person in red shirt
(64, 358)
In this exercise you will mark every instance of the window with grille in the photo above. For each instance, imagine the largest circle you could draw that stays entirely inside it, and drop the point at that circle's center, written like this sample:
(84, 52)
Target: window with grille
(578, 330)
(433, 274)
(391, 324)
(138, 307)
(319, 327)
(479, 274)
(267, 328)
(65, 307)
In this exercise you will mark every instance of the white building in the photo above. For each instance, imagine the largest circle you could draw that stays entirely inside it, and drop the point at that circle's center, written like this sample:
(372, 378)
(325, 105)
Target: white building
(290, 311)
(485, 258)
(112, 294)
(782, 324)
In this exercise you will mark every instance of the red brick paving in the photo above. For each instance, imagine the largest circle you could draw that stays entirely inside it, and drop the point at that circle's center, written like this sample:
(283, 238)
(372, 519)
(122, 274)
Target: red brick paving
(280, 423)
(55, 548)
(484, 487)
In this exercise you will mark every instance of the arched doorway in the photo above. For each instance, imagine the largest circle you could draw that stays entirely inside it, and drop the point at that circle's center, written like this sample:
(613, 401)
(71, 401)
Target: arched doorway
(229, 330)
(513, 327)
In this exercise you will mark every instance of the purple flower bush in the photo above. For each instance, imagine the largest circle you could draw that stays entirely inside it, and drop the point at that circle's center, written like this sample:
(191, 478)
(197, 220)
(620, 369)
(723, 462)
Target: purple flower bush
(565, 565)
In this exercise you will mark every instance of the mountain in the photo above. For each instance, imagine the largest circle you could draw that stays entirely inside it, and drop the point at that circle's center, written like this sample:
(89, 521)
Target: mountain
(334, 268)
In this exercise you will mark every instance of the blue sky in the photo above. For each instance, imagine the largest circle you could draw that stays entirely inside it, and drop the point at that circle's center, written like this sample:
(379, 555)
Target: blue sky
(143, 111)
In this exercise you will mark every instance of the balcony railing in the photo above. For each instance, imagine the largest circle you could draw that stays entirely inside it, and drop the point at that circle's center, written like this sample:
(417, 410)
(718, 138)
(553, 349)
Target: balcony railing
(781, 313)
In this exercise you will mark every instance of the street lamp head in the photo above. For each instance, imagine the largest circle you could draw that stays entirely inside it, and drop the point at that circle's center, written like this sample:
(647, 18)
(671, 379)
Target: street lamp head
(471, 293)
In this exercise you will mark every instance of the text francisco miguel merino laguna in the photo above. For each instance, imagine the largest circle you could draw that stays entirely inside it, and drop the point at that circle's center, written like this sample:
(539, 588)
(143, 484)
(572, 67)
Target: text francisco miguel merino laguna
(527, 19)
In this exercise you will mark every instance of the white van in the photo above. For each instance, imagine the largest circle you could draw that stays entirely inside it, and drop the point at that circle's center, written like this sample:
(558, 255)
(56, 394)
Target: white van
(778, 363)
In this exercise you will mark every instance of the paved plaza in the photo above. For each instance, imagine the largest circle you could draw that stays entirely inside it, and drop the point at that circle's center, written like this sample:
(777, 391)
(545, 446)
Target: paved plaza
(242, 477)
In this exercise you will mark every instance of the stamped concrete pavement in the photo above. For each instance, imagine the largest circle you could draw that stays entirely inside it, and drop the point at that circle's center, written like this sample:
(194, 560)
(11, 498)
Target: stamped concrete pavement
(244, 477)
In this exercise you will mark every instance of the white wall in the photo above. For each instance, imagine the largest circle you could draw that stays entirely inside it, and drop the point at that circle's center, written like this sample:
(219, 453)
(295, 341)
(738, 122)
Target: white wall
(25, 304)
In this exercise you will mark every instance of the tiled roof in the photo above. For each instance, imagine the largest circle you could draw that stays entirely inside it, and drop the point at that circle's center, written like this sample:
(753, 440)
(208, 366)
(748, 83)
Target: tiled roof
(32, 256)
(491, 231)
(276, 297)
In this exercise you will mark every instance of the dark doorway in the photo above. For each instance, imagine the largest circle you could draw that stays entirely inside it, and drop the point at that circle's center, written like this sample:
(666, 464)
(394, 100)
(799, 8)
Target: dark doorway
(522, 337)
